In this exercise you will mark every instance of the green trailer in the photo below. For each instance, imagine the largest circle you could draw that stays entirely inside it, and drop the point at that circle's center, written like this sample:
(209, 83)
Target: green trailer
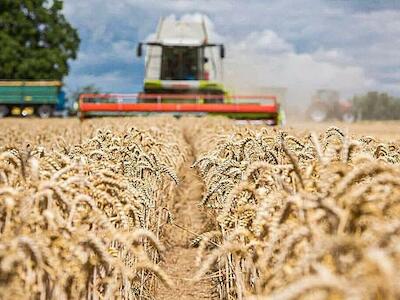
(41, 98)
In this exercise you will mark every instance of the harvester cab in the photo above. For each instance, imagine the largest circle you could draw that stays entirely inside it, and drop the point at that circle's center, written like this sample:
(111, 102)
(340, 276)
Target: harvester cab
(180, 60)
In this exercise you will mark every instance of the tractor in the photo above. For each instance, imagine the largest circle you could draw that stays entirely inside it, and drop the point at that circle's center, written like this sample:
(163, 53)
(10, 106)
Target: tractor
(326, 104)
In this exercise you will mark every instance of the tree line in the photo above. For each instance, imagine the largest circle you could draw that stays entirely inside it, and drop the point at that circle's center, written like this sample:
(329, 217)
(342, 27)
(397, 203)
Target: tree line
(376, 106)
(36, 40)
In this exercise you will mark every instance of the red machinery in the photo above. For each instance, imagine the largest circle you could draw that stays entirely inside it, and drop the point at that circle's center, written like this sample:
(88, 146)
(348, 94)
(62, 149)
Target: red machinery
(264, 107)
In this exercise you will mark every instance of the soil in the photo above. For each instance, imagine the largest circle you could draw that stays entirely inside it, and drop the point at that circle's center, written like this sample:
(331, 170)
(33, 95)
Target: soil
(180, 258)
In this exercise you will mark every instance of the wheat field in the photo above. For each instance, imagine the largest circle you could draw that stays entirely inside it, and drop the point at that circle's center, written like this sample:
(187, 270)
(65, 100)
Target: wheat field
(198, 208)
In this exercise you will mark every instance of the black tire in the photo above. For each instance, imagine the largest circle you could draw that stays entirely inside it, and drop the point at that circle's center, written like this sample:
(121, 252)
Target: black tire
(4, 111)
(44, 111)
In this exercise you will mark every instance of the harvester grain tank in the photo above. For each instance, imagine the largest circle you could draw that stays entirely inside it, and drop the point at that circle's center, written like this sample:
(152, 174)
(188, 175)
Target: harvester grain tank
(183, 74)
(41, 98)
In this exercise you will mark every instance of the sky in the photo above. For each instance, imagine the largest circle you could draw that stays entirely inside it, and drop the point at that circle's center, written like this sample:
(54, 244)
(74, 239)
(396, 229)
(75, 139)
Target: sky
(302, 45)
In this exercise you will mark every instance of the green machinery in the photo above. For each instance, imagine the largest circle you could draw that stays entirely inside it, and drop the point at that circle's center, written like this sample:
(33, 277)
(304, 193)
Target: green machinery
(42, 98)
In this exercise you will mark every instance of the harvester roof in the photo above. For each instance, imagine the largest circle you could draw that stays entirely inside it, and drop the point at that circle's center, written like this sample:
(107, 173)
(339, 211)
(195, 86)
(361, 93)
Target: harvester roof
(174, 32)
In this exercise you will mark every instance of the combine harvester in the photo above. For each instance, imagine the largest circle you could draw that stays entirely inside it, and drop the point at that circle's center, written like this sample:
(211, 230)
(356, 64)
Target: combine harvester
(183, 75)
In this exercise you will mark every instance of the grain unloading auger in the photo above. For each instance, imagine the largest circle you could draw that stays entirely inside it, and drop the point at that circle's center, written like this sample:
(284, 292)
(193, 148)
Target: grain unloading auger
(183, 75)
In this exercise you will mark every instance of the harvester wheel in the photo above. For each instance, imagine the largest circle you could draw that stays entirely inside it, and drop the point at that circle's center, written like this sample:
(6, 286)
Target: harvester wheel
(44, 111)
(4, 111)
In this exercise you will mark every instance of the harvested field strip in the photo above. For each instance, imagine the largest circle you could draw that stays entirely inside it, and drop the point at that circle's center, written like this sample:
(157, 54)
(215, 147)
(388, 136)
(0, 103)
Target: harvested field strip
(180, 256)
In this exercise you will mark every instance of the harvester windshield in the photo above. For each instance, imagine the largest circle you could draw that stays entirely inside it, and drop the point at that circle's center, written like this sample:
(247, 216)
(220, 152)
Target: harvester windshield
(182, 63)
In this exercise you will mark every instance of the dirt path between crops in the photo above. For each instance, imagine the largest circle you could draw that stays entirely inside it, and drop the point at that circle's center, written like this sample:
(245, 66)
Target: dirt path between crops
(180, 258)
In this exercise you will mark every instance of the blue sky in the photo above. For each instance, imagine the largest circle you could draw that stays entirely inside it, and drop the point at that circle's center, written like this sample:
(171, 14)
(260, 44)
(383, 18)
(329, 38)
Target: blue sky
(351, 45)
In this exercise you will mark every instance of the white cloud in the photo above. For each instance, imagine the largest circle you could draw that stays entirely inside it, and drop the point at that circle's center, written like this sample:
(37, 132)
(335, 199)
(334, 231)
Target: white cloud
(264, 41)
(272, 61)
(334, 55)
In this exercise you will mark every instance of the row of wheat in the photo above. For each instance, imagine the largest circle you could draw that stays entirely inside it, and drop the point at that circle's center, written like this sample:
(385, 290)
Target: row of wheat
(81, 206)
(299, 217)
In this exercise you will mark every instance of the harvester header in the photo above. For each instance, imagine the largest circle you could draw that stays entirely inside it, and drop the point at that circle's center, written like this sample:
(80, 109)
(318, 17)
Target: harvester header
(261, 107)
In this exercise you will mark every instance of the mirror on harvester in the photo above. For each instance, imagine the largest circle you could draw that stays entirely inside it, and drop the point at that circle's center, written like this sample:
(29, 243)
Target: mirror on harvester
(139, 50)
